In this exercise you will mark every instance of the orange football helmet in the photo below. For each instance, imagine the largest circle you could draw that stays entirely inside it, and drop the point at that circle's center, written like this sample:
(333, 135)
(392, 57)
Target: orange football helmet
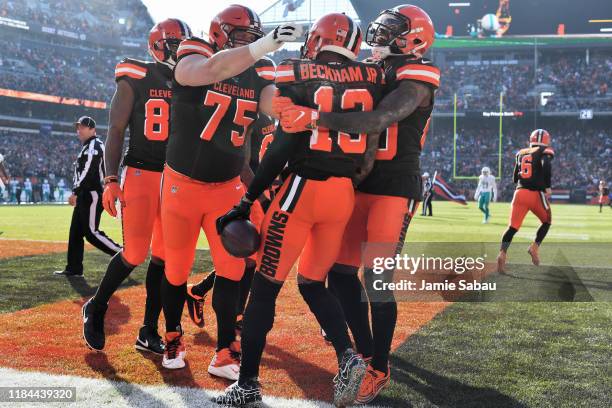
(165, 38)
(404, 29)
(539, 137)
(335, 32)
(235, 26)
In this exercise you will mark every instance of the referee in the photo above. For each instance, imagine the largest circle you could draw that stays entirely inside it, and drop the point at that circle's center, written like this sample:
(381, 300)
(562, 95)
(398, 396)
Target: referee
(86, 199)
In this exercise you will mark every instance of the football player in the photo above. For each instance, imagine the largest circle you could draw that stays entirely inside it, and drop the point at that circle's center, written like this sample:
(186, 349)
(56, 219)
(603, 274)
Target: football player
(141, 103)
(387, 199)
(532, 175)
(219, 86)
(485, 192)
(306, 219)
(261, 134)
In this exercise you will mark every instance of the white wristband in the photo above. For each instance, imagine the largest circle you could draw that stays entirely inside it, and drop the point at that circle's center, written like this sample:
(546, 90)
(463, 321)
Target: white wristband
(263, 46)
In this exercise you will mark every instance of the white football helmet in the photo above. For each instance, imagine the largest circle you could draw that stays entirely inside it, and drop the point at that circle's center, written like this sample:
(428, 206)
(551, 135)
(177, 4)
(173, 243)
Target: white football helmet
(486, 171)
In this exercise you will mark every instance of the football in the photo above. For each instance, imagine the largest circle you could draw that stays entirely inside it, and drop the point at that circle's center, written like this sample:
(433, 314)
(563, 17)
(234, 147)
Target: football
(489, 22)
(240, 238)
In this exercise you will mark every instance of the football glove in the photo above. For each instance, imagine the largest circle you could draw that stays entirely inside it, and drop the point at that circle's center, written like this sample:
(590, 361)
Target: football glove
(112, 193)
(281, 103)
(299, 119)
(239, 212)
(275, 39)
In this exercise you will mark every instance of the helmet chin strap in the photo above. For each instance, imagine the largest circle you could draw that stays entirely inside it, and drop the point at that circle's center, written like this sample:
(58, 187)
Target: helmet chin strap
(380, 52)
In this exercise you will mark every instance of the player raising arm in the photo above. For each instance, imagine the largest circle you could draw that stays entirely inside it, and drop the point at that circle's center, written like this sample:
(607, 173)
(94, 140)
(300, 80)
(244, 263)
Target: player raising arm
(532, 175)
(387, 199)
(219, 87)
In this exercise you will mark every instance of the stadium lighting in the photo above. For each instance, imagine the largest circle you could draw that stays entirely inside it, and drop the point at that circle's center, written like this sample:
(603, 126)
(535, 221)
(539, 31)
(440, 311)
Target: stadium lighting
(122, 21)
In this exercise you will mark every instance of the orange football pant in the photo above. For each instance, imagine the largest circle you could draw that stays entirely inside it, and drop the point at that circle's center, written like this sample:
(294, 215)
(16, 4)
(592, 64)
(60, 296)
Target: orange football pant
(141, 216)
(188, 205)
(376, 219)
(529, 200)
(306, 219)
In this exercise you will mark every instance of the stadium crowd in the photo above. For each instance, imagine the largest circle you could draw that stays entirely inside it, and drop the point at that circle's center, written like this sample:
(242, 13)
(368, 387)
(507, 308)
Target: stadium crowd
(125, 18)
(576, 165)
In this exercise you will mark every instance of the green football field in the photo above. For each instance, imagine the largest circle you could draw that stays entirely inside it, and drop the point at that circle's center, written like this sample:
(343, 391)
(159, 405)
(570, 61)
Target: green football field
(451, 223)
(542, 341)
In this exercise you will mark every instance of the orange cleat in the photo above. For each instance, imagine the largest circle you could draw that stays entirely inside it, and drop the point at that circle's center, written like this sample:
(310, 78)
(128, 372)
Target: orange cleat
(373, 383)
(225, 364)
(174, 354)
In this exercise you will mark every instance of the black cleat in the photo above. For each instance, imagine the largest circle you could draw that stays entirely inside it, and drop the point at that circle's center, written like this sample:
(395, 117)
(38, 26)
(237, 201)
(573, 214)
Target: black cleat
(351, 371)
(67, 272)
(149, 340)
(247, 394)
(195, 306)
(93, 326)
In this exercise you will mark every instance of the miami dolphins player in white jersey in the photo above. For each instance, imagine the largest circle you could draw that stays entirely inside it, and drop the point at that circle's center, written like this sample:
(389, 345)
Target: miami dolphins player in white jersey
(486, 191)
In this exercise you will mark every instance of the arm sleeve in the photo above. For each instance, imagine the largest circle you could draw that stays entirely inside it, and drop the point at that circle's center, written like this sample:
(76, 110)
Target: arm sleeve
(478, 187)
(273, 162)
(546, 169)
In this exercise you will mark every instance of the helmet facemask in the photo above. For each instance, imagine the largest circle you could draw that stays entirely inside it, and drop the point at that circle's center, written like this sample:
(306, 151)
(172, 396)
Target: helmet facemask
(241, 36)
(385, 33)
(169, 47)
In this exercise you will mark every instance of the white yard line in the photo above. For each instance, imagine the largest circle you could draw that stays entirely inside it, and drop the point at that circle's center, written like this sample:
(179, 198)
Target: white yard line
(93, 392)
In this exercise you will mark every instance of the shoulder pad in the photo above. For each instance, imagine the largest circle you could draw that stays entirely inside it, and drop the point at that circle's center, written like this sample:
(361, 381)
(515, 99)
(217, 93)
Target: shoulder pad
(285, 71)
(195, 45)
(417, 70)
(266, 69)
(131, 68)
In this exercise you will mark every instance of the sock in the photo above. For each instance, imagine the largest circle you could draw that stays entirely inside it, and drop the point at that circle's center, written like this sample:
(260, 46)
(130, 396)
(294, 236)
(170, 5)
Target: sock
(225, 304)
(328, 313)
(352, 297)
(507, 238)
(173, 300)
(205, 286)
(245, 286)
(153, 304)
(257, 322)
(384, 318)
(541, 234)
(116, 272)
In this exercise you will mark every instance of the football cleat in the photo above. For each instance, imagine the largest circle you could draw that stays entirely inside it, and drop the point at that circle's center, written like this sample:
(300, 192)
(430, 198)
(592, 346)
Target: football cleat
(247, 394)
(174, 353)
(351, 371)
(149, 340)
(225, 364)
(533, 251)
(195, 306)
(69, 273)
(93, 326)
(501, 262)
(373, 383)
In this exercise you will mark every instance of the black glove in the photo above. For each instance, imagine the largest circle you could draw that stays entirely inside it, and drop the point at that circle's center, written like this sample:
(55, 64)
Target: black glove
(239, 212)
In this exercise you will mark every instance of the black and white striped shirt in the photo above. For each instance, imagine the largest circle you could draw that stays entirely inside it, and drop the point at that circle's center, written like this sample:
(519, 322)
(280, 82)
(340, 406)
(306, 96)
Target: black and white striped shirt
(89, 168)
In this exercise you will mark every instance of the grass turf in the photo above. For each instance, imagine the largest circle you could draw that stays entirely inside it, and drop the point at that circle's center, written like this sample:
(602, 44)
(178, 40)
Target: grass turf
(498, 354)
(451, 223)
